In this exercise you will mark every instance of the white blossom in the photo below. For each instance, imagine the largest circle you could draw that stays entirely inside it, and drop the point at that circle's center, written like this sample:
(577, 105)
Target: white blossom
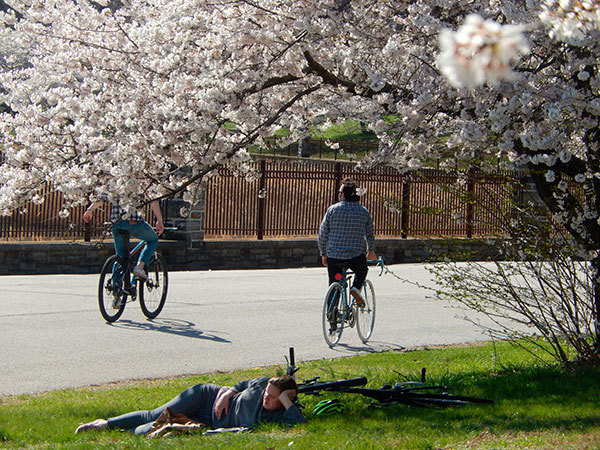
(571, 20)
(64, 213)
(480, 51)
(155, 97)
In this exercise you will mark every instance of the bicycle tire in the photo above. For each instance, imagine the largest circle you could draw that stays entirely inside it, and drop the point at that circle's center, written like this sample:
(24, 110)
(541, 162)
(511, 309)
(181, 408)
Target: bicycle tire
(338, 385)
(106, 300)
(365, 317)
(386, 397)
(153, 291)
(448, 399)
(331, 317)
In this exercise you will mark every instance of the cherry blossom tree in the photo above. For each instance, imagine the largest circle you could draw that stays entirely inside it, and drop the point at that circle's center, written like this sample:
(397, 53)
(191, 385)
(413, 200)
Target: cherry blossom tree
(143, 99)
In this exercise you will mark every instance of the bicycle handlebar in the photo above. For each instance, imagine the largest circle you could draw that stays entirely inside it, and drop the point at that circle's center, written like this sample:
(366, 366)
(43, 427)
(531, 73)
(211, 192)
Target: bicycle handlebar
(377, 262)
(110, 224)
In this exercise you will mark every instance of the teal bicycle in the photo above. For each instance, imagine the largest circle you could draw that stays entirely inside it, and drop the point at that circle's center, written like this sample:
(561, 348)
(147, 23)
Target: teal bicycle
(114, 294)
(341, 311)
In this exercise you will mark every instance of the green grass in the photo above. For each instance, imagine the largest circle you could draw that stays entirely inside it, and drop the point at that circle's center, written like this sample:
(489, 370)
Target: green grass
(536, 405)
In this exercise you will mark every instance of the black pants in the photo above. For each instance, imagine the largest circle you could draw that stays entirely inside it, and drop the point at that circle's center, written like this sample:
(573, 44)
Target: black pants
(358, 265)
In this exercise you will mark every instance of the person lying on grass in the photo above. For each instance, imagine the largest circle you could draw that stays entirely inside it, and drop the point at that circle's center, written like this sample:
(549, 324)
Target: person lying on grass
(246, 404)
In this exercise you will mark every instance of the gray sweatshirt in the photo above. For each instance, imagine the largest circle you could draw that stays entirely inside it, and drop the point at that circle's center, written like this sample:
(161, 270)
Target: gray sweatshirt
(246, 410)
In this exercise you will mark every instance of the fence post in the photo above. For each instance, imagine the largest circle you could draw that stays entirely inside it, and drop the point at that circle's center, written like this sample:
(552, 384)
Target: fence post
(404, 220)
(470, 201)
(261, 202)
(337, 181)
(87, 231)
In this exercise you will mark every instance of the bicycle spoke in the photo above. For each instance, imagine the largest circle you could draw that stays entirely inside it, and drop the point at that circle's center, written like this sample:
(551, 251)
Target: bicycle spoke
(366, 316)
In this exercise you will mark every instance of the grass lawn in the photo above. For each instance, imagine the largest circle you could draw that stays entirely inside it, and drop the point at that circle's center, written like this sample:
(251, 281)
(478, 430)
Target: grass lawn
(536, 405)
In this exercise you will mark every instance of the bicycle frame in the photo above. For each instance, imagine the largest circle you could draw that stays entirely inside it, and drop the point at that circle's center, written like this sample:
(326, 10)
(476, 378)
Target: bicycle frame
(129, 281)
(346, 305)
(347, 318)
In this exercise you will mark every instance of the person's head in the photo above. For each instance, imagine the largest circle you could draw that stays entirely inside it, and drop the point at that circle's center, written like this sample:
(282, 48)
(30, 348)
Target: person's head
(275, 387)
(348, 190)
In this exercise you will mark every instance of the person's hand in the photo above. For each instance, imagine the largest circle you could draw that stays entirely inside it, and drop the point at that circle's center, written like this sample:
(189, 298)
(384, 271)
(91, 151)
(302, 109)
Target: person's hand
(222, 403)
(286, 397)
(87, 216)
(371, 256)
(324, 260)
(160, 227)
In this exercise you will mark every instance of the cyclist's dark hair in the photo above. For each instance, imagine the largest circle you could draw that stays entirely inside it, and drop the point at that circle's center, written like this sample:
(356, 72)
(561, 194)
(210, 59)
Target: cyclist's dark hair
(349, 190)
(284, 382)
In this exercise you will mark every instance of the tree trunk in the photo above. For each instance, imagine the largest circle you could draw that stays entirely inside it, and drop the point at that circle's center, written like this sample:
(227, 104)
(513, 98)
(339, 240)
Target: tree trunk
(596, 291)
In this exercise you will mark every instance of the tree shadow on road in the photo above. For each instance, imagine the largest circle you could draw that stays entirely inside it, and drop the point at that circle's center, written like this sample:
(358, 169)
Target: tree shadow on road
(172, 326)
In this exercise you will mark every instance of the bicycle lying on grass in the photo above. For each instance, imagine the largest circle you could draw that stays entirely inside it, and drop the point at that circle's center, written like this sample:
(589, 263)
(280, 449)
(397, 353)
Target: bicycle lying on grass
(341, 311)
(408, 393)
(118, 285)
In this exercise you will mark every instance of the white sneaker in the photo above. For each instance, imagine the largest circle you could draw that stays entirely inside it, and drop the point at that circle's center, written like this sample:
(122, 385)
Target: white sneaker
(116, 303)
(139, 272)
(360, 301)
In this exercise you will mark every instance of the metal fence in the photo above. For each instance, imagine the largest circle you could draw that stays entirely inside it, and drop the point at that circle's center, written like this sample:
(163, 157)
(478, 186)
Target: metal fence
(291, 196)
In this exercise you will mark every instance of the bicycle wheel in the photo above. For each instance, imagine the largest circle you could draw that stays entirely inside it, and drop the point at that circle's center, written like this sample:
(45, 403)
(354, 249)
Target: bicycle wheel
(111, 307)
(387, 396)
(332, 320)
(428, 399)
(365, 317)
(153, 291)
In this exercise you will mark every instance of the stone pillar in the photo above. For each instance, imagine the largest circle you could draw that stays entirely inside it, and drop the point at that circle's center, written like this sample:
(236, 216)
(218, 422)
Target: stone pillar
(194, 224)
(190, 228)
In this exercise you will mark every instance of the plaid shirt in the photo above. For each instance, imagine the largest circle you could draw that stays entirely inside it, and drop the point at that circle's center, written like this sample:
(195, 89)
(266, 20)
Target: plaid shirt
(117, 213)
(346, 231)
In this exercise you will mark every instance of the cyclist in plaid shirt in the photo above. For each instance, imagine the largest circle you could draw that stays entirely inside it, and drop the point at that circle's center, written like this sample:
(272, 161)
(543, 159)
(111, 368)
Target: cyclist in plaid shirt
(126, 223)
(346, 239)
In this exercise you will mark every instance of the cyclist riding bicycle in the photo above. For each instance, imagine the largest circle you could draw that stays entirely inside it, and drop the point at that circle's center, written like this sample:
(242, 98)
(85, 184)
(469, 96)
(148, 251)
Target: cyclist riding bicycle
(126, 223)
(346, 239)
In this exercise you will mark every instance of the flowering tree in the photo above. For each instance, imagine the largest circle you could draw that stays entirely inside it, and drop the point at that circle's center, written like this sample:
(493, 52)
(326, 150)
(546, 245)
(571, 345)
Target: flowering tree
(143, 99)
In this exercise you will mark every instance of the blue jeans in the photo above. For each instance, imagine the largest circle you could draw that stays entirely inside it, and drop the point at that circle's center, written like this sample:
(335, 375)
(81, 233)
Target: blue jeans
(195, 402)
(121, 232)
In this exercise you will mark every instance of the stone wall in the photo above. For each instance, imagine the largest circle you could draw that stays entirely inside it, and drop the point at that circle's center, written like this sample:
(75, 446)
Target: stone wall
(79, 257)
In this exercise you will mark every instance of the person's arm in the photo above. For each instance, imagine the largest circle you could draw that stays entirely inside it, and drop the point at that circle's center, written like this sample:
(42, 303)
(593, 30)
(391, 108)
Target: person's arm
(292, 414)
(323, 238)
(370, 237)
(160, 227)
(222, 401)
(286, 397)
(87, 215)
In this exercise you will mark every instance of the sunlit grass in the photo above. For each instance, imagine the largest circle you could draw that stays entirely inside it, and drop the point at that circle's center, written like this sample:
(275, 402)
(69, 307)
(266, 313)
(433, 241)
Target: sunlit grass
(536, 405)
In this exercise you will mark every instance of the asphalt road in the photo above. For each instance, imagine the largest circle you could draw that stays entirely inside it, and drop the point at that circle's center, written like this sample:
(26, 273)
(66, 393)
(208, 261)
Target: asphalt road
(52, 335)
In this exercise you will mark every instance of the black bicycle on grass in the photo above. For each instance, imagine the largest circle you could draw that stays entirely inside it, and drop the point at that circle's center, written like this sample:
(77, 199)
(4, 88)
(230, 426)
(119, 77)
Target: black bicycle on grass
(408, 393)
(118, 285)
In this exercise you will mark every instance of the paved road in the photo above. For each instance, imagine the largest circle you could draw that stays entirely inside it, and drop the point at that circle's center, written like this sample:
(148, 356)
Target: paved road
(52, 335)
